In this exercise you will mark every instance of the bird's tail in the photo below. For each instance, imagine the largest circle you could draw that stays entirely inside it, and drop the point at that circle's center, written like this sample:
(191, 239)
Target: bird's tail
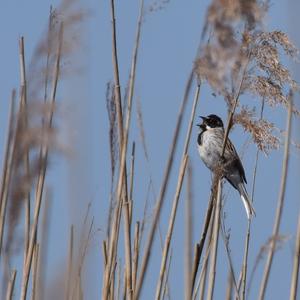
(246, 201)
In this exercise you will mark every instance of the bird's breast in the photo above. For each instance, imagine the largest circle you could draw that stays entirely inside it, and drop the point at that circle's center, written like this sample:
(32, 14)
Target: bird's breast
(210, 148)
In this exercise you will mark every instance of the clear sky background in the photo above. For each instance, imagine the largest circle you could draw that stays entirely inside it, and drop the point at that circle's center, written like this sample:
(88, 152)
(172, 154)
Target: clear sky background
(169, 41)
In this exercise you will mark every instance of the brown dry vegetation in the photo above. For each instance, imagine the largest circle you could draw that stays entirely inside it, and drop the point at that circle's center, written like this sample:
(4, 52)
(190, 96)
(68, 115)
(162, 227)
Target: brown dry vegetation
(237, 57)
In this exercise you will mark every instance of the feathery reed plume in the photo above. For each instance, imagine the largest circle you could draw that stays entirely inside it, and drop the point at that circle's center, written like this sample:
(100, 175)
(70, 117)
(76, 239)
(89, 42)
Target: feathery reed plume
(157, 5)
(43, 159)
(113, 146)
(241, 58)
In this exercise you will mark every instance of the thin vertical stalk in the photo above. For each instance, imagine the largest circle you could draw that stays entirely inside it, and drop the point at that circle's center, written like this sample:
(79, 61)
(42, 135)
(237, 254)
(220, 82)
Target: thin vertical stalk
(228, 295)
(7, 167)
(27, 228)
(125, 141)
(170, 228)
(215, 238)
(166, 289)
(135, 259)
(11, 285)
(188, 236)
(295, 274)
(42, 175)
(104, 252)
(44, 246)
(208, 217)
(131, 176)
(162, 190)
(118, 281)
(226, 244)
(70, 263)
(176, 197)
(203, 273)
(23, 103)
(245, 260)
(123, 149)
(35, 269)
(279, 203)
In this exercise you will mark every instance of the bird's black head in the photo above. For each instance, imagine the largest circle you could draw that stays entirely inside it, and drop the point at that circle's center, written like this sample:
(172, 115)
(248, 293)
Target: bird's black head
(211, 121)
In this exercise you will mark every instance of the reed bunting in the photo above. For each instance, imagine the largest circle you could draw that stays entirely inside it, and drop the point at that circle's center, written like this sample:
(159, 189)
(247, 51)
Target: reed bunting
(210, 143)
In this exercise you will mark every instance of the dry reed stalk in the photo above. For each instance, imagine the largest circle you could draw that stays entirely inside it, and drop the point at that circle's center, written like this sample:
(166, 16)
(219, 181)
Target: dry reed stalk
(226, 243)
(243, 275)
(166, 289)
(295, 273)
(27, 228)
(228, 295)
(247, 240)
(44, 239)
(118, 280)
(162, 190)
(203, 273)
(170, 228)
(7, 167)
(176, 196)
(135, 258)
(210, 206)
(151, 183)
(70, 263)
(123, 149)
(280, 202)
(215, 238)
(23, 102)
(197, 257)
(131, 176)
(104, 251)
(188, 235)
(83, 247)
(112, 285)
(36, 258)
(216, 222)
(112, 243)
(11, 285)
(42, 174)
(194, 264)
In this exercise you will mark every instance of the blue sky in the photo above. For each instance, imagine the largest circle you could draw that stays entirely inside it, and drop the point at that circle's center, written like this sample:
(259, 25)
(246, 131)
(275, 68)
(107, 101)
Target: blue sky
(168, 46)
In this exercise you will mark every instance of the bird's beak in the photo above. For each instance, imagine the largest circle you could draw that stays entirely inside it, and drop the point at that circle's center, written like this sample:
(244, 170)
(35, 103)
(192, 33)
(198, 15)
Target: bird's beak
(201, 125)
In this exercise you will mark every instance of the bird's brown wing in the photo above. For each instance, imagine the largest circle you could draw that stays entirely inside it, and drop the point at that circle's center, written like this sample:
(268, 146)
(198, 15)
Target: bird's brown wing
(233, 161)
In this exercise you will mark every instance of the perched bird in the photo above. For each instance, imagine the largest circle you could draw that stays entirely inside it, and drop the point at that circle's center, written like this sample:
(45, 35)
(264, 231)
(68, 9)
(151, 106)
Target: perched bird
(210, 143)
